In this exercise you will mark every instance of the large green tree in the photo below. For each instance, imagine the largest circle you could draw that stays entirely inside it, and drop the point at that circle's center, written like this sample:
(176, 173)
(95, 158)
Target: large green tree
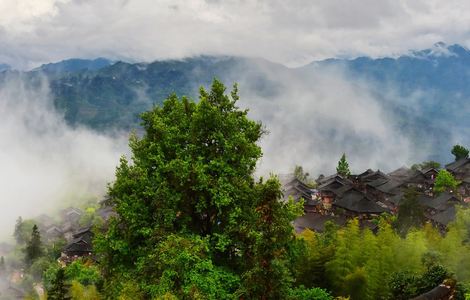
(190, 184)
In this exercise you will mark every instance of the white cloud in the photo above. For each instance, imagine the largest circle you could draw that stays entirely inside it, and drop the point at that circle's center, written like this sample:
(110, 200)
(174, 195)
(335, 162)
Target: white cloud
(313, 118)
(46, 165)
(291, 32)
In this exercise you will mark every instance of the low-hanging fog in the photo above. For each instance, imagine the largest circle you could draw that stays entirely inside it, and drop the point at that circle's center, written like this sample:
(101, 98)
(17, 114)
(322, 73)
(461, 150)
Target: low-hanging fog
(313, 117)
(45, 164)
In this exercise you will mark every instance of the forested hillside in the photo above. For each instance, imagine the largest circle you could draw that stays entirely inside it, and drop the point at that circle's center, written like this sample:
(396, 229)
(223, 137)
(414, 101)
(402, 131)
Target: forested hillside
(423, 92)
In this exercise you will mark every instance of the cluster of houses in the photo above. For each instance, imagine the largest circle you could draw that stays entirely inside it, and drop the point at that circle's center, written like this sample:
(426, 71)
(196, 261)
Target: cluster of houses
(78, 239)
(336, 198)
(367, 195)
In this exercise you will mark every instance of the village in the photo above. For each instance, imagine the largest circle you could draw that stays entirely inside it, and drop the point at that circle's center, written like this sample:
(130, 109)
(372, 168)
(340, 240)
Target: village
(338, 198)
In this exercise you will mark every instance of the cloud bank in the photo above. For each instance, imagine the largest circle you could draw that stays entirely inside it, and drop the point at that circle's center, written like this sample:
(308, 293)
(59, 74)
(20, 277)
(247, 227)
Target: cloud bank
(46, 165)
(315, 117)
(290, 32)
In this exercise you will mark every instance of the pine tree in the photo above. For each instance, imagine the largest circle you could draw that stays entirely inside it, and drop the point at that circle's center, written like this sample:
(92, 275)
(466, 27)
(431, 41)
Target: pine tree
(33, 248)
(343, 166)
(60, 288)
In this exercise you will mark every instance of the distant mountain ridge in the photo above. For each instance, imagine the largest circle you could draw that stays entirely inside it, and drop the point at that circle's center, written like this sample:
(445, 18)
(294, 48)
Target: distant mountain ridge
(427, 90)
(74, 65)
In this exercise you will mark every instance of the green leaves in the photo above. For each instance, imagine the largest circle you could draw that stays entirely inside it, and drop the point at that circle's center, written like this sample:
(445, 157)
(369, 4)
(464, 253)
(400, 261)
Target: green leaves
(343, 166)
(460, 152)
(192, 221)
(445, 182)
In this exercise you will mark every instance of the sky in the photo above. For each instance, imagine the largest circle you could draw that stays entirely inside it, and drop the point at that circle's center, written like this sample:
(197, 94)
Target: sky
(289, 32)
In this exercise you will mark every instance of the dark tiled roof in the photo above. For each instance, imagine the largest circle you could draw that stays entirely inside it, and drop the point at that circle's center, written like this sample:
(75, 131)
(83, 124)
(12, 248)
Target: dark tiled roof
(365, 173)
(291, 186)
(78, 245)
(322, 179)
(386, 186)
(358, 202)
(396, 199)
(454, 166)
(446, 216)
(440, 202)
(440, 292)
(53, 229)
(316, 222)
(374, 176)
(427, 170)
(334, 183)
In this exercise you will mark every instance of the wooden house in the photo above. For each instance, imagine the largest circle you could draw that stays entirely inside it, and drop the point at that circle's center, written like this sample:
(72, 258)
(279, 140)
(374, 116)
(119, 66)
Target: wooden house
(439, 203)
(71, 214)
(331, 189)
(354, 203)
(295, 188)
(460, 168)
(79, 246)
(442, 219)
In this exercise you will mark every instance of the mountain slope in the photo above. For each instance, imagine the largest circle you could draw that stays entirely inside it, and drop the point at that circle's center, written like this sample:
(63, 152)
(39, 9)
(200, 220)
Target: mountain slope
(425, 94)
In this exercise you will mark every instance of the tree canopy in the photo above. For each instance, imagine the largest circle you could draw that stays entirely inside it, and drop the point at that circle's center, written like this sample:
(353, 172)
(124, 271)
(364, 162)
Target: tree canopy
(33, 248)
(445, 181)
(343, 166)
(190, 188)
(459, 152)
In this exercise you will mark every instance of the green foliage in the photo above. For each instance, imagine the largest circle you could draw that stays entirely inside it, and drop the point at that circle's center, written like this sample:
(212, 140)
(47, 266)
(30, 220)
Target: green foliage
(387, 265)
(59, 289)
(303, 176)
(40, 265)
(49, 275)
(272, 235)
(445, 181)
(410, 212)
(302, 293)
(53, 249)
(83, 272)
(403, 285)
(185, 269)
(189, 191)
(406, 285)
(33, 248)
(90, 217)
(343, 166)
(81, 292)
(459, 152)
(309, 255)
